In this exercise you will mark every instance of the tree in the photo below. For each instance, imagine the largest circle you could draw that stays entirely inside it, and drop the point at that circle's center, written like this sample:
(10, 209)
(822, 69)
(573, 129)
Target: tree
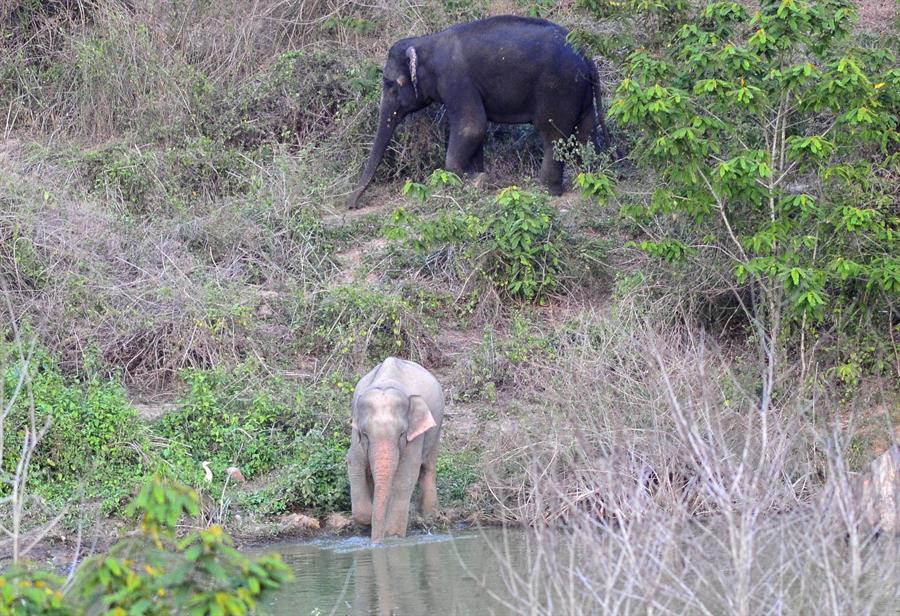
(775, 142)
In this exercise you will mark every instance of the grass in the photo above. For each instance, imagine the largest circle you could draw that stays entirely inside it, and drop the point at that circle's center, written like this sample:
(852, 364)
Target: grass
(675, 496)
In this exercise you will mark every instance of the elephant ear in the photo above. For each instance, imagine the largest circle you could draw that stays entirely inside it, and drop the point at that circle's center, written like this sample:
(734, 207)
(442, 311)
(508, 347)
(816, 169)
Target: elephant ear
(420, 418)
(413, 68)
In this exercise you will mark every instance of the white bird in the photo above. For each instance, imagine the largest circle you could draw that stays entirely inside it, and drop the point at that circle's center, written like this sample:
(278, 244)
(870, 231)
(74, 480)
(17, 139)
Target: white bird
(207, 473)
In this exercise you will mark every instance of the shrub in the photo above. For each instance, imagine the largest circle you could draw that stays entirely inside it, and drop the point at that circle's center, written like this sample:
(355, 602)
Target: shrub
(355, 328)
(227, 419)
(456, 472)
(515, 244)
(152, 571)
(313, 476)
(94, 441)
(783, 132)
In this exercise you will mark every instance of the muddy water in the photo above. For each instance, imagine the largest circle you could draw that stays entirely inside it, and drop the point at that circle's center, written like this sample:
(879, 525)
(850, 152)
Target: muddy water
(418, 575)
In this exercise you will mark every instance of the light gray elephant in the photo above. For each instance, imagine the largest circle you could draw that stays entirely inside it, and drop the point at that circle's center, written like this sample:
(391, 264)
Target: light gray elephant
(397, 412)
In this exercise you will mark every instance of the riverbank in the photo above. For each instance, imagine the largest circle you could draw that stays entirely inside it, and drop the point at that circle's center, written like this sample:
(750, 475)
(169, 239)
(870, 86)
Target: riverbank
(183, 291)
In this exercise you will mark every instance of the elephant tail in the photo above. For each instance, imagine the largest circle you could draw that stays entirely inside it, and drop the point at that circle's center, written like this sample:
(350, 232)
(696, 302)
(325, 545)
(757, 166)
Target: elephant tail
(598, 104)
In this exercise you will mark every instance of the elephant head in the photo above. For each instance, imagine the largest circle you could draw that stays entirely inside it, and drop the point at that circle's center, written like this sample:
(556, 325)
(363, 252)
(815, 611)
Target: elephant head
(401, 95)
(387, 421)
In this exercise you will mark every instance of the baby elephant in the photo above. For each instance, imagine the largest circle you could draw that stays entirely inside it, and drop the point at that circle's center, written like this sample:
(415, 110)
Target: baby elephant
(397, 413)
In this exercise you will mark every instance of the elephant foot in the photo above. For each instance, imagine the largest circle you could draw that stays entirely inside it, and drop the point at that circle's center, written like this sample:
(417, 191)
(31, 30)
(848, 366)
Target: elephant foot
(478, 179)
(362, 518)
(555, 189)
(395, 532)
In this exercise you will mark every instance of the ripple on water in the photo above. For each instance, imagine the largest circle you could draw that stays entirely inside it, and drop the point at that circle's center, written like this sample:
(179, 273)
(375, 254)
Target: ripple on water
(417, 574)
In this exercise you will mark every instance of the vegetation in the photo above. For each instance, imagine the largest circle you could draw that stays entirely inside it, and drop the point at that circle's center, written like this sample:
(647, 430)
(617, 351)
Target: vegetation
(152, 572)
(704, 329)
(513, 244)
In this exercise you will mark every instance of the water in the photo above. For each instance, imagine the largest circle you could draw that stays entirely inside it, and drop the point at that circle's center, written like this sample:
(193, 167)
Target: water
(629, 570)
(421, 574)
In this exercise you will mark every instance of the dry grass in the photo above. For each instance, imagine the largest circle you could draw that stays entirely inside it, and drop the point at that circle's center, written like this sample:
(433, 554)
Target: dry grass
(654, 484)
(149, 299)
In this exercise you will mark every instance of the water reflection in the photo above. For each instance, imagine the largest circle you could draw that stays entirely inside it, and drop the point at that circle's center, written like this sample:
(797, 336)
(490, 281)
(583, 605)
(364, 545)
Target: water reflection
(413, 576)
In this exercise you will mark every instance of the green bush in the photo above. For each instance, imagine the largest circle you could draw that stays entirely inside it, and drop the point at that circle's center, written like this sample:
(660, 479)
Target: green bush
(455, 473)
(226, 421)
(314, 476)
(95, 441)
(152, 571)
(515, 244)
(356, 327)
(785, 136)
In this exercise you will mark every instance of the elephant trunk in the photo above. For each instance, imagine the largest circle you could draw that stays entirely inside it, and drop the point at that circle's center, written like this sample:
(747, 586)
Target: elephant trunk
(387, 122)
(383, 459)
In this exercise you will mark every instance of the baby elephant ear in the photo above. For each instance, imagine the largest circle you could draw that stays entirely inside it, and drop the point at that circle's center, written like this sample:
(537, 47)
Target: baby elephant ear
(420, 418)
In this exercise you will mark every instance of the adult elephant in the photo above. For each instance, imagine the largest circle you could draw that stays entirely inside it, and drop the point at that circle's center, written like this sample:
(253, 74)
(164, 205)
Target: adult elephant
(397, 412)
(505, 69)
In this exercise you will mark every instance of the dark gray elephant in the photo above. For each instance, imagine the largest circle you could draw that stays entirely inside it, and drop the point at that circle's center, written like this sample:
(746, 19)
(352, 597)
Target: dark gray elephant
(397, 412)
(511, 70)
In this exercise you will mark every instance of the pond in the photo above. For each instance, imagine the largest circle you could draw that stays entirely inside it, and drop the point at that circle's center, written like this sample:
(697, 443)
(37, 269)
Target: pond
(629, 570)
(438, 574)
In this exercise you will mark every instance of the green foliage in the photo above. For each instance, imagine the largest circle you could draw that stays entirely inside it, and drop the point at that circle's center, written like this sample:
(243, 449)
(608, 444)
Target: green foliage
(24, 592)
(516, 247)
(783, 134)
(597, 185)
(313, 477)
(455, 473)
(438, 178)
(526, 240)
(94, 440)
(358, 327)
(221, 421)
(97, 448)
(153, 571)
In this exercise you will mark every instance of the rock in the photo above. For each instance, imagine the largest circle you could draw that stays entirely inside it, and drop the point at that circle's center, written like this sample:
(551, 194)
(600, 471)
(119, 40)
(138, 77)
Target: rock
(879, 492)
(297, 523)
(337, 522)
(236, 474)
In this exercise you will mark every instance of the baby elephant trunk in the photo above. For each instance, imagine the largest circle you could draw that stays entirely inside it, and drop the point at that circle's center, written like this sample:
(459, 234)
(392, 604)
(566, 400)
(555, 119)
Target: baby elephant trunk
(383, 459)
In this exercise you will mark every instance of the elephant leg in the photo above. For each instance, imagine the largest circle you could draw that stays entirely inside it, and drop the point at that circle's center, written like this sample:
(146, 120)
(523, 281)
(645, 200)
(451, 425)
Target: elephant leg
(476, 165)
(551, 169)
(556, 124)
(428, 489)
(467, 130)
(402, 489)
(586, 129)
(360, 487)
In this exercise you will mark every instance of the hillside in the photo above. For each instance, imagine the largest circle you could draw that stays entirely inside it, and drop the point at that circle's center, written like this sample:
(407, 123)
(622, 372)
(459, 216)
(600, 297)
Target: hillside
(182, 281)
